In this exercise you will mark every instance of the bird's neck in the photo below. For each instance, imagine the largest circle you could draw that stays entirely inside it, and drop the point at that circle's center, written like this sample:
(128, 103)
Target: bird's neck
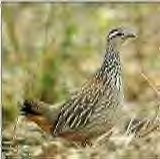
(111, 67)
(114, 44)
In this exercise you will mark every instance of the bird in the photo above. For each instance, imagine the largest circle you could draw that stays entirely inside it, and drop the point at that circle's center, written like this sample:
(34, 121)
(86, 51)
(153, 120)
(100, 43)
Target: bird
(92, 109)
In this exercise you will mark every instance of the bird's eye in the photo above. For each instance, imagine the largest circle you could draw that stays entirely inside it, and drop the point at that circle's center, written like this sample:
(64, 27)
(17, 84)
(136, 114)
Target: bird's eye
(115, 33)
(120, 34)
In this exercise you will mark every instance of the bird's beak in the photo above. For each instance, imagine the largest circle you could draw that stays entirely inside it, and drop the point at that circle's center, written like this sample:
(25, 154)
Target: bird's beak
(131, 35)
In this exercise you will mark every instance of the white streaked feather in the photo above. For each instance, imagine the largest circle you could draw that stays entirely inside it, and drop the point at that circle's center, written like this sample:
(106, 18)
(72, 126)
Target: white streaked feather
(74, 121)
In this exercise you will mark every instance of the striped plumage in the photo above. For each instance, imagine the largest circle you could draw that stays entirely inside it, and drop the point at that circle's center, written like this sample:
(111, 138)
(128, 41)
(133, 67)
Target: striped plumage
(92, 110)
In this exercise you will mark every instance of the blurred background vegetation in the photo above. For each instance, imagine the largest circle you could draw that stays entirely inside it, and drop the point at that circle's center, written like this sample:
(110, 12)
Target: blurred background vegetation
(50, 49)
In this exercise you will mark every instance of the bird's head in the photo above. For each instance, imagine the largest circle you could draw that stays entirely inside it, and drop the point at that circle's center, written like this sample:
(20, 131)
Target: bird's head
(119, 35)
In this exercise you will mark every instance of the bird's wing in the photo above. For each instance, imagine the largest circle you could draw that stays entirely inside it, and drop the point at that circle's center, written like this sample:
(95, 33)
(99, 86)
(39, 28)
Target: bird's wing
(77, 111)
(72, 117)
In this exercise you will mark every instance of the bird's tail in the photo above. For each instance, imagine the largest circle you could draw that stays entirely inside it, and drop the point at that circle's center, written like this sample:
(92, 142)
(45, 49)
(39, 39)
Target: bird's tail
(30, 107)
(40, 113)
